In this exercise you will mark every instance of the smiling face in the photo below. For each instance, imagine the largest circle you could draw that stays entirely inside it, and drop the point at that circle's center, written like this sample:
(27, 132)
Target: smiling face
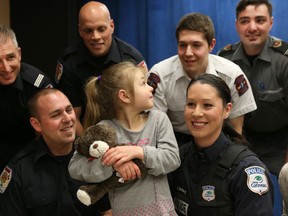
(10, 62)
(253, 26)
(55, 120)
(96, 28)
(193, 51)
(205, 113)
(143, 97)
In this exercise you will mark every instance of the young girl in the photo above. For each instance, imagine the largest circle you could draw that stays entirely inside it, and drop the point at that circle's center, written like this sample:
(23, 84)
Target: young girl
(123, 96)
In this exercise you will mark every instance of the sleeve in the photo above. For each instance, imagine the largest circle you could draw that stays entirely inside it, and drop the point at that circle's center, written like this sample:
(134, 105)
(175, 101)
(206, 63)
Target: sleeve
(68, 84)
(159, 93)
(11, 199)
(241, 93)
(92, 171)
(165, 157)
(252, 189)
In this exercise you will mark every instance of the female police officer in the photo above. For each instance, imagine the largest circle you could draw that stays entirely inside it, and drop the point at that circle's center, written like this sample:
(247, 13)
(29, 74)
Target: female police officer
(218, 174)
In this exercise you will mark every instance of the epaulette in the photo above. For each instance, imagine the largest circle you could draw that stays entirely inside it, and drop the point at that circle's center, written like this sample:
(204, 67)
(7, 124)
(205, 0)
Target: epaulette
(280, 46)
(33, 75)
(228, 48)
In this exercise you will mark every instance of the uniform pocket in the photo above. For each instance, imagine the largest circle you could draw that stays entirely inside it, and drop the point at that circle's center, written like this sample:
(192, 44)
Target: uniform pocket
(271, 95)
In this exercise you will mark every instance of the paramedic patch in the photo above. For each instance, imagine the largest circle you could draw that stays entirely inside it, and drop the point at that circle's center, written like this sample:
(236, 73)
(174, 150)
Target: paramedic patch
(257, 180)
(208, 193)
(241, 85)
(181, 206)
(5, 178)
(153, 81)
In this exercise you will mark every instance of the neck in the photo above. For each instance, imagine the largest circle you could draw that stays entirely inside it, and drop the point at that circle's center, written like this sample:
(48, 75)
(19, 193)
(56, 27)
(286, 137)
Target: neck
(132, 121)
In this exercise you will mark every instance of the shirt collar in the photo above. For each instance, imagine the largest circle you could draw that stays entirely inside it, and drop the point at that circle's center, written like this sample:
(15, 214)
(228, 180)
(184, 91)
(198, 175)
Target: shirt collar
(265, 55)
(213, 151)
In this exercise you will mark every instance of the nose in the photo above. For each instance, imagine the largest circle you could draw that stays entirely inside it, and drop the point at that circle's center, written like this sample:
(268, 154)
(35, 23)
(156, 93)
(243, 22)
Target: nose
(66, 117)
(150, 87)
(189, 51)
(252, 26)
(5, 67)
(197, 112)
(95, 35)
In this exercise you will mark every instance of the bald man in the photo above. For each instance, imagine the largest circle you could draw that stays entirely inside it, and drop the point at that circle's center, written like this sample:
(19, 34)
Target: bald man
(97, 50)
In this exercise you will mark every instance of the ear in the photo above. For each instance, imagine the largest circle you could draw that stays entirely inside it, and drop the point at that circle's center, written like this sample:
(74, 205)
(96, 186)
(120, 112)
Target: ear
(112, 25)
(227, 110)
(35, 124)
(212, 45)
(19, 52)
(123, 96)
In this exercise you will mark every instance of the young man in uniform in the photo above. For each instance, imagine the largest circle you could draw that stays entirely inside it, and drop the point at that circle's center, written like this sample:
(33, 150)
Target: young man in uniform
(36, 181)
(18, 82)
(196, 39)
(98, 50)
(264, 60)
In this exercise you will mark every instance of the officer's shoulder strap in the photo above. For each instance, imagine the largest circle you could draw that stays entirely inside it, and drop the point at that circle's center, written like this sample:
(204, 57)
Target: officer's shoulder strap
(233, 155)
(229, 48)
(280, 46)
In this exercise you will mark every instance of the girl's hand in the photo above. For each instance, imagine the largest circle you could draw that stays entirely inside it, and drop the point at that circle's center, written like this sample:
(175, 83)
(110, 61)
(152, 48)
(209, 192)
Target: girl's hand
(128, 171)
(120, 154)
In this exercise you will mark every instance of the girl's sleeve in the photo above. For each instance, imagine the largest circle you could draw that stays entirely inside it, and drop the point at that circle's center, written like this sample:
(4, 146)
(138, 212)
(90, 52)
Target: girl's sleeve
(84, 169)
(165, 157)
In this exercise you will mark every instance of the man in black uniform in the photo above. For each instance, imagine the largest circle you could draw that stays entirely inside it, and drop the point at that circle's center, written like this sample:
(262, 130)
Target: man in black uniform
(18, 82)
(98, 50)
(37, 181)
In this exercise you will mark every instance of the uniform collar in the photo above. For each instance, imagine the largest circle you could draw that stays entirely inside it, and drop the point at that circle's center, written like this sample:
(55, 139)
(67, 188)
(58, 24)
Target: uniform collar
(43, 151)
(265, 54)
(113, 55)
(212, 152)
(210, 69)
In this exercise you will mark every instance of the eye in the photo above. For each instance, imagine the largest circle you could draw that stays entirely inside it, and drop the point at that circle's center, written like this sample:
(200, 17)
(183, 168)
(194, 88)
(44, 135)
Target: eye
(102, 29)
(11, 57)
(69, 110)
(207, 105)
(261, 20)
(190, 104)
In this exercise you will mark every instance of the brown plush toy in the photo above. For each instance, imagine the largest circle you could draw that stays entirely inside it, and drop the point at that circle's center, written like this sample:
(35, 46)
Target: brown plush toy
(93, 143)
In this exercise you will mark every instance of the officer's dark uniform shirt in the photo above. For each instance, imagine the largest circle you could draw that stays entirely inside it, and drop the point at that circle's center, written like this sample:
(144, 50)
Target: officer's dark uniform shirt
(267, 127)
(15, 128)
(37, 183)
(77, 65)
(197, 184)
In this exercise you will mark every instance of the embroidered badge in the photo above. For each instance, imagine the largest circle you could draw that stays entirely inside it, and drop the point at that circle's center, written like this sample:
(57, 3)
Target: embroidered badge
(153, 81)
(5, 178)
(59, 72)
(241, 85)
(38, 80)
(277, 43)
(228, 47)
(257, 180)
(208, 193)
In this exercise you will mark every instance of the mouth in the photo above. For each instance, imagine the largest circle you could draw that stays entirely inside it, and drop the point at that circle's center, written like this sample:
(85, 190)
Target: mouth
(67, 128)
(199, 125)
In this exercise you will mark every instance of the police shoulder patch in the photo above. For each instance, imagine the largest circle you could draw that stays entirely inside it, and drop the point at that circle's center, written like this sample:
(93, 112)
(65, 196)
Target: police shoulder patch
(153, 81)
(59, 72)
(256, 180)
(280, 46)
(241, 84)
(5, 178)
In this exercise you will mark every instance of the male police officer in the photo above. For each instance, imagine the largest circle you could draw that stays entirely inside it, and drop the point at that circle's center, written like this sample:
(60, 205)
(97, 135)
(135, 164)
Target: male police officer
(98, 50)
(18, 82)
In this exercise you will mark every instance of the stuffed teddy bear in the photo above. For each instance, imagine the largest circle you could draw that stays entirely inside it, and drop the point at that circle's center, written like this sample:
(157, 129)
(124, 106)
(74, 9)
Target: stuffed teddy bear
(93, 143)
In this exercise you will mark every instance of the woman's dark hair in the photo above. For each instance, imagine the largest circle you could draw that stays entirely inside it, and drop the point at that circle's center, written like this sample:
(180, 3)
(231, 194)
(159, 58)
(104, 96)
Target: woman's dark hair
(224, 93)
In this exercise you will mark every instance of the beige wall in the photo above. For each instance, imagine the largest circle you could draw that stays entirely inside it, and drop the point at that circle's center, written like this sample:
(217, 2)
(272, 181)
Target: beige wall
(5, 12)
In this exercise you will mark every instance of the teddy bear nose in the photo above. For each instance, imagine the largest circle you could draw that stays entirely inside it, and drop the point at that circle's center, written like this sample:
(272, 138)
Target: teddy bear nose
(95, 146)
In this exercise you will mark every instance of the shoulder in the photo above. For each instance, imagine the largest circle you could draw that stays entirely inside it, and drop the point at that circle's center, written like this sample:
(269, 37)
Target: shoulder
(279, 45)
(34, 76)
(229, 49)
(225, 66)
(70, 51)
(166, 67)
(128, 49)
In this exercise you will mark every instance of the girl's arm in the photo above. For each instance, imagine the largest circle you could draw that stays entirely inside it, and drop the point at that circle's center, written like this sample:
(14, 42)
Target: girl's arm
(84, 169)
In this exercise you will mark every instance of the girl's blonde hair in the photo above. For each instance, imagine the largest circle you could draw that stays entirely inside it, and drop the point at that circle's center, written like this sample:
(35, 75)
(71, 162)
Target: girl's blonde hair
(102, 92)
